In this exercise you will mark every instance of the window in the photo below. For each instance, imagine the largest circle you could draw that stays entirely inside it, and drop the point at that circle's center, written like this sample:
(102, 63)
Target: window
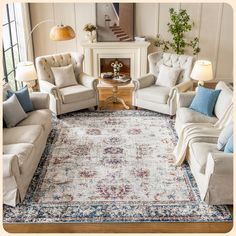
(10, 45)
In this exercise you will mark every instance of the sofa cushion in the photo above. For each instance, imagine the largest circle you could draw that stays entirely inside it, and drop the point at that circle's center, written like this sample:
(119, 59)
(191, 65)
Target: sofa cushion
(224, 100)
(22, 134)
(224, 136)
(39, 117)
(21, 150)
(200, 153)
(205, 100)
(13, 112)
(187, 115)
(157, 94)
(23, 97)
(76, 93)
(229, 147)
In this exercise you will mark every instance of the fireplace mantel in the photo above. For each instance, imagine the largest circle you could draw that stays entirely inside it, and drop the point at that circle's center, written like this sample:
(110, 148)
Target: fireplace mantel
(136, 51)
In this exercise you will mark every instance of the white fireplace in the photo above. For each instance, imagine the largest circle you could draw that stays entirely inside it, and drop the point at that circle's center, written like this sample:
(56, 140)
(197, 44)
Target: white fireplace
(135, 51)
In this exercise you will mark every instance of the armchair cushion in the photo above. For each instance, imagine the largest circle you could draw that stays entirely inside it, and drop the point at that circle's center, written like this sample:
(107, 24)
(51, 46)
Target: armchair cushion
(201, 151)
(167, 76)
(224, 136)
(187, 115)
(157, 94)
(76, 93)
(64, 76)
(229, 147)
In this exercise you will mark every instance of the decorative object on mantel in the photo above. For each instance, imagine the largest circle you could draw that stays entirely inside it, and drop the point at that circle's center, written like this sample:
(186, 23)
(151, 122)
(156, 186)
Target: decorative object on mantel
(90, 29)
(180, 24)
(202, 71)
(115, 22)
(25, 71)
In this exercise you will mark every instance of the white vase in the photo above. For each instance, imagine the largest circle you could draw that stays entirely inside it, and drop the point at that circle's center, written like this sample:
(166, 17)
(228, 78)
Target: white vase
(90, 36)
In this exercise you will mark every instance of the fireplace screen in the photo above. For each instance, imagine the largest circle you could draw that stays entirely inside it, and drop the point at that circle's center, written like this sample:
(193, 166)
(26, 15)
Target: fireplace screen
(108, 65)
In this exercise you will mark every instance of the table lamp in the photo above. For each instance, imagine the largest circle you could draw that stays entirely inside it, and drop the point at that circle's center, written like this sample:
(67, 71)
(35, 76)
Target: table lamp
(26, 73)
(202, 71)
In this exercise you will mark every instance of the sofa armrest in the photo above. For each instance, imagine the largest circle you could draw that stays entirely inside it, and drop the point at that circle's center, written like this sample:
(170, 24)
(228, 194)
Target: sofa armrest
(144, 81)
(88, 81)
(10, 165)
(39, 100)
(182, 87)
(185, 99)
(219, 164)
(49, 88)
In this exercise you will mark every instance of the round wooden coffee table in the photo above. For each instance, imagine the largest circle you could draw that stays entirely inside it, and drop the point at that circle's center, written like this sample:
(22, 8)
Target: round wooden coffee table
(114, 98)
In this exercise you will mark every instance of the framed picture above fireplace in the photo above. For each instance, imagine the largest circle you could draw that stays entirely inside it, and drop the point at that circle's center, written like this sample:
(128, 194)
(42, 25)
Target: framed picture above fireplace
(115, 22)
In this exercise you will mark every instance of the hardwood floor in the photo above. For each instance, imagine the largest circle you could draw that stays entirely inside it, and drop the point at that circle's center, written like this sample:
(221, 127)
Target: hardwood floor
(221, 227)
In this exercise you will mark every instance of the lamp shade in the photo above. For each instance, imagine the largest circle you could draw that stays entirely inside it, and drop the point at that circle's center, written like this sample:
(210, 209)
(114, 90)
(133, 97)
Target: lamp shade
(61, 33)
(25, 71)
(202, 71)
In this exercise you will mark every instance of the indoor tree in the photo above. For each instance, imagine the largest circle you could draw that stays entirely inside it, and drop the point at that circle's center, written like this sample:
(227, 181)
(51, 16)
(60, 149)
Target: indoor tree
(179, 24)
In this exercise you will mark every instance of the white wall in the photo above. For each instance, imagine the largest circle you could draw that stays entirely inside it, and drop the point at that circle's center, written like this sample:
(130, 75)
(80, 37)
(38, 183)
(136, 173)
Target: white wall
(213, 25)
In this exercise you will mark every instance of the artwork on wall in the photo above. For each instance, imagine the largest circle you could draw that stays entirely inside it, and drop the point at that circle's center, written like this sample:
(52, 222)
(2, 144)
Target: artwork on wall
(115, 22)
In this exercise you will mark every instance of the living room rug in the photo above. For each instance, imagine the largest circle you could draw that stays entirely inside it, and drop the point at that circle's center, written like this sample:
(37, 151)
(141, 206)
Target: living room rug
(112, 167)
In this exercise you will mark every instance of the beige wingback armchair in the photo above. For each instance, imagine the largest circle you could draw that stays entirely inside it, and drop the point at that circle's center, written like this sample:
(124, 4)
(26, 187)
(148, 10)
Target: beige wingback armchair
(72, 98)
(159, 98)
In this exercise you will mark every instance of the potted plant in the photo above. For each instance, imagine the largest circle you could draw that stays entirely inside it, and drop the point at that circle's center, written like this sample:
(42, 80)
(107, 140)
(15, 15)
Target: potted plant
(90, 29)
(179, 24)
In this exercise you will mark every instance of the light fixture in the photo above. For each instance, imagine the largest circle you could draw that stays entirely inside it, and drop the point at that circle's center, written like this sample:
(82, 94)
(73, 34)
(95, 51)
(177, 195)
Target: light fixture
(25, 72)
(202, 71)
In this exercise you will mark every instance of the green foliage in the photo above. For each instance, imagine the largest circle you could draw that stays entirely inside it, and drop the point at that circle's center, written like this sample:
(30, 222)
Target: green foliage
(89, 27)
(179, 24)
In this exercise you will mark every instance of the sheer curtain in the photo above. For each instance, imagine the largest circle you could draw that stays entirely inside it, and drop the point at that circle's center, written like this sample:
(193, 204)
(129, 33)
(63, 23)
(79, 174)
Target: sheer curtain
(24, 28)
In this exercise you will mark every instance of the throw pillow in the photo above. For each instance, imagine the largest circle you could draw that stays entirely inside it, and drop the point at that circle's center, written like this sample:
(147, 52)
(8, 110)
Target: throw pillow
(205, 100)
(229, 147)
(167, 76)
(64, 76)
(13, 112)
(224, 136)
(23, 97)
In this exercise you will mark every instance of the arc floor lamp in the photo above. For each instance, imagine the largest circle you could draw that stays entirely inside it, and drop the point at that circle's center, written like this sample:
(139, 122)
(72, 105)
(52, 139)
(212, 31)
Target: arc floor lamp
(25, 71)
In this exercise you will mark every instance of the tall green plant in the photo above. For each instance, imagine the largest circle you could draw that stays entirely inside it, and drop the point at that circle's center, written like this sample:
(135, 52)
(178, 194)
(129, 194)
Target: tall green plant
(179, 24)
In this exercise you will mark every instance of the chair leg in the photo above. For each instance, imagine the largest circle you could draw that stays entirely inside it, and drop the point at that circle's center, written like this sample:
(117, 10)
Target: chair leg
(135, 107)
(171, 117)
(95, 108)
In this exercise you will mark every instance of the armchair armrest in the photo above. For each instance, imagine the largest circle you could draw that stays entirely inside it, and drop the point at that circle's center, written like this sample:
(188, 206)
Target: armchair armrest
(220, 164)
(185, 99)
(88, 81)
(10, 165)
(182, 87)
(50, 88)
(144, 81)
(39, 100)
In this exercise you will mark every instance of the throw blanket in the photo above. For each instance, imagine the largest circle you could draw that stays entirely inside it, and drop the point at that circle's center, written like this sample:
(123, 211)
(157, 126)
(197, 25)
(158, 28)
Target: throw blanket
(193, 131)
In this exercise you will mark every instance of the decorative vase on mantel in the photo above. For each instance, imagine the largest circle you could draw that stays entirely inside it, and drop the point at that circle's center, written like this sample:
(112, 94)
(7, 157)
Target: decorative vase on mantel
(90, 36)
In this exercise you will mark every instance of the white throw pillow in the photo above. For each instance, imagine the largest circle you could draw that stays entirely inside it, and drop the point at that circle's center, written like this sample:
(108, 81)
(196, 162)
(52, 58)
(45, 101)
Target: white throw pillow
(225, 134)
(64, 76)
(13, 113)
(168, 76)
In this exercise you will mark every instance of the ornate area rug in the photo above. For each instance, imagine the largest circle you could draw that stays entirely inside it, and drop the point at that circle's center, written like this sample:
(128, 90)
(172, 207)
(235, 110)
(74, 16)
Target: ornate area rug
(113, 167)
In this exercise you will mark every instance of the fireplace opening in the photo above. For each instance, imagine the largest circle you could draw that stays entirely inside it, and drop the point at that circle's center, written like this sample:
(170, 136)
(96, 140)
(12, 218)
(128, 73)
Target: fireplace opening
(106, 65)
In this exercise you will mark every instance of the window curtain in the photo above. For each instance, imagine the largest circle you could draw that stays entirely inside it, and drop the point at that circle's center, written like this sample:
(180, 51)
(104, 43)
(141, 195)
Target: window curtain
(24, 27)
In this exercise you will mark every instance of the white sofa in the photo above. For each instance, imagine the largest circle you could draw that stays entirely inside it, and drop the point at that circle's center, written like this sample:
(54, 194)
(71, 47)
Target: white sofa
(23, 146)
(159, 98)
(211, 168)
(72, 98)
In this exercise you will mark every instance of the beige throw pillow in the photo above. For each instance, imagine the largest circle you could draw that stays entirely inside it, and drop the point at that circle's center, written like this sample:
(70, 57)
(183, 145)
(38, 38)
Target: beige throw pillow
(168, 76)
(13, 113)
(64, 76)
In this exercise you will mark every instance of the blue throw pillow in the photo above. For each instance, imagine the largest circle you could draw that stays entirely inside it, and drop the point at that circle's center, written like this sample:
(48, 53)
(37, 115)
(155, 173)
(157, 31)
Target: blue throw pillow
(23, 97)
(229, 147)
(205, 100)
